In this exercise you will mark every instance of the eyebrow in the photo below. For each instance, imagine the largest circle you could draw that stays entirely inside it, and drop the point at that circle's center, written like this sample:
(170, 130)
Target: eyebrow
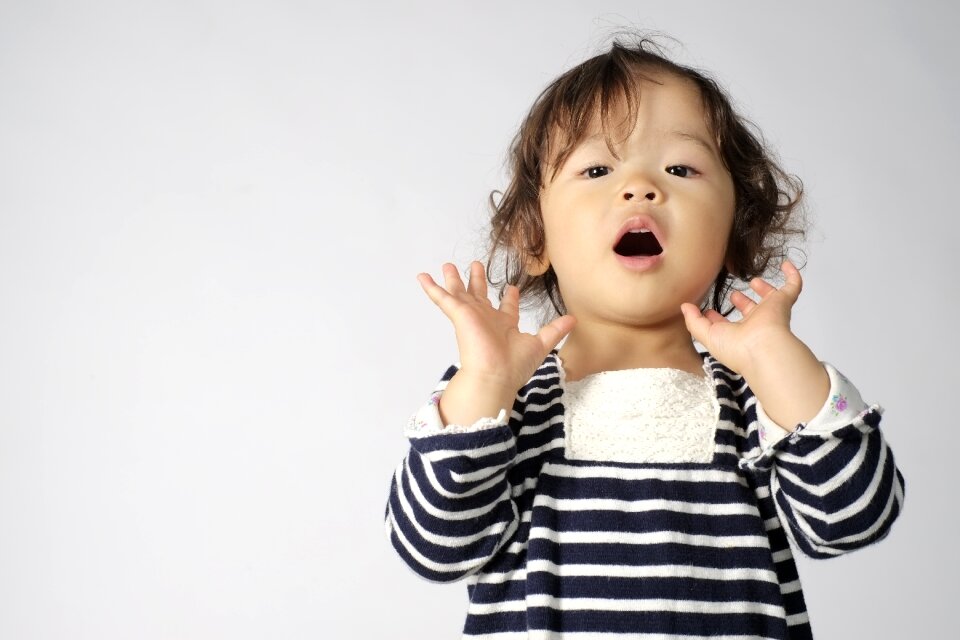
(681, 135)
(694, 138)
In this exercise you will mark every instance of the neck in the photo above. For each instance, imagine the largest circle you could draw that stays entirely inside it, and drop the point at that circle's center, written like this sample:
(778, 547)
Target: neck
(597, 345)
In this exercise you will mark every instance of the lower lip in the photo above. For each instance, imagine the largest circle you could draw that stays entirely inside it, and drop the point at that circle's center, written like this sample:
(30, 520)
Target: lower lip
(640, 263)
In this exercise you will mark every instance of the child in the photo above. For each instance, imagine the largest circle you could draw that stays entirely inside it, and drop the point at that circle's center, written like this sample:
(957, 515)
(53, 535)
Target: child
(627, 485)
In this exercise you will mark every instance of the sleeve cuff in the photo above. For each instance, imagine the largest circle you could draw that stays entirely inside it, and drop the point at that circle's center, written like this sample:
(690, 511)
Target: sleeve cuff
(427, 421)
(843, 415)
(842, 407)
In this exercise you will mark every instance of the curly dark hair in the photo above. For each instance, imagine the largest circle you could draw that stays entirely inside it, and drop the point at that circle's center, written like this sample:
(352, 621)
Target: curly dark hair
(768, 209)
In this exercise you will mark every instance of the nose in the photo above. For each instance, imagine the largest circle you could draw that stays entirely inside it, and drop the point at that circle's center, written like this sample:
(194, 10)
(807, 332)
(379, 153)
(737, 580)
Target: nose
(650, 195)
(640, 185)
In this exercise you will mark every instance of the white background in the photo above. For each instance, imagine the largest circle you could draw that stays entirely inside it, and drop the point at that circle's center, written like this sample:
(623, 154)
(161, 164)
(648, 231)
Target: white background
(211, 219)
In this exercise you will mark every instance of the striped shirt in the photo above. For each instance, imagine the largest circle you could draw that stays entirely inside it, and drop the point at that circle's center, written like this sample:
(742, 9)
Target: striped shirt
(555, 543)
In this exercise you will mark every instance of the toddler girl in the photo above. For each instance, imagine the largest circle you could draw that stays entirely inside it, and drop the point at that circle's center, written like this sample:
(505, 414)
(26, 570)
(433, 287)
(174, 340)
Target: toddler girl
(626, 484)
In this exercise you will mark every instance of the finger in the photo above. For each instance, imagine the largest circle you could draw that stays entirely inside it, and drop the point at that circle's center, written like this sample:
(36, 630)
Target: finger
(435, 292)
(451, 278)
(478, 281)
(742, 302)
(697, 324)
(551, 334)
(716, 317)
(510, 303)
(762, 287)
(794, 283)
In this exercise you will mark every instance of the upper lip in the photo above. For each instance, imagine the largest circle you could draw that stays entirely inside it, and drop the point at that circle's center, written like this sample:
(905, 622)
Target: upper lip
(641, 221)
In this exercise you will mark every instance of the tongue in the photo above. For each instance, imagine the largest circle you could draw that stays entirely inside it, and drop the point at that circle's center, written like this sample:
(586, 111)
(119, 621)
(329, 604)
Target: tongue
(638, 244)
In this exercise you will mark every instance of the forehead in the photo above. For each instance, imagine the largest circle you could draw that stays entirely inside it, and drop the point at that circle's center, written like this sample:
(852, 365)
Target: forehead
(664, 105)
(659, 104)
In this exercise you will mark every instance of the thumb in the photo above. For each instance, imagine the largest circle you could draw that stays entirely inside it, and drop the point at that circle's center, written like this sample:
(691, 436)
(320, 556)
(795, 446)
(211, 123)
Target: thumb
(697, 324)
(551, 334)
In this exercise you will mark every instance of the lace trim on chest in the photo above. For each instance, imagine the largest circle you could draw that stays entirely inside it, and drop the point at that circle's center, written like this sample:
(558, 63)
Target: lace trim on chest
(641, 415)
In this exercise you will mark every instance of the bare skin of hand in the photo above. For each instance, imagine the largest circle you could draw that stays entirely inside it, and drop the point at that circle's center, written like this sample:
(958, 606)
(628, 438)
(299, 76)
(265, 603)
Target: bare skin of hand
(496, 358)
(736, 344)
(786, 377)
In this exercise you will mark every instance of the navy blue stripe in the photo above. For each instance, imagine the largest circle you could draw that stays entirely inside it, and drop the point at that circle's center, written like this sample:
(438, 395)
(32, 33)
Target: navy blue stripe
(738, 428)
(635, 622)
(681, 588)
(650, 554)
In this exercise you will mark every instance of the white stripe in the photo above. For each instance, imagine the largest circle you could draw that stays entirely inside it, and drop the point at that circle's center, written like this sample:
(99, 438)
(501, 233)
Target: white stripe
(517, 547)
(864, 500)
(649, 504)
(476, 476)
(541, 406)
(615, 604)
(479, 452)
(444, 514)
(731, 403)
(790, 587)
(780, 556)
(543, 390)
(533, 429)
(895, 497)
(633, 473)
(798, 523)
(651, 571)
(798, 618)
(651, 537)
(449, 541)
(470, 565)
(728, 449)
(839, 478)
(446, 493)
(868, 495)
(501, 576)
(519, 489)
(556, 443)
(813, 457)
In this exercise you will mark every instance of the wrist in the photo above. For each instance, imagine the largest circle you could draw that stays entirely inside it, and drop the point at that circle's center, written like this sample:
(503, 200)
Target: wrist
(776, 351)
(789, 382)
(468, 398)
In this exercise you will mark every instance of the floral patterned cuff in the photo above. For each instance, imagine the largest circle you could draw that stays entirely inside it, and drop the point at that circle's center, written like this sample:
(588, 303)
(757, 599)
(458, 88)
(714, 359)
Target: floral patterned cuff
(427, 421)
(843, 415)
(842, 407)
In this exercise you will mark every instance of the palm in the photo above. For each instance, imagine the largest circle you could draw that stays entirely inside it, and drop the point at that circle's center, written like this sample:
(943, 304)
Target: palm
(489, 340)
(732, 343)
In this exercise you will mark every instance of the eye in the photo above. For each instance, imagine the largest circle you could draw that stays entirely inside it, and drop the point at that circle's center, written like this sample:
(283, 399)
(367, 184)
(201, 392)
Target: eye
(590, 171)
(681, 170)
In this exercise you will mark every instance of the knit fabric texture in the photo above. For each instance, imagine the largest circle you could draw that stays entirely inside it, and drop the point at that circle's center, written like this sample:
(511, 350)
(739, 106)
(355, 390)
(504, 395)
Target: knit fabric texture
(581, 514)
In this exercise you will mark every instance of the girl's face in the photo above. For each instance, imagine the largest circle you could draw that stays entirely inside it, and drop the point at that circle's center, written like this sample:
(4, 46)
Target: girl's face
(669, 178)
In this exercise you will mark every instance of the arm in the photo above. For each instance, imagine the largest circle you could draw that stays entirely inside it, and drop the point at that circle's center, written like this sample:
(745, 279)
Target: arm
(450, 508)
(833, 479)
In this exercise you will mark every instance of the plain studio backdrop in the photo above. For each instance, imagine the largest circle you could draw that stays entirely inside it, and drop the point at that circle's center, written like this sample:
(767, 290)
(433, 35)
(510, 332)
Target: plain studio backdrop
(211, 336)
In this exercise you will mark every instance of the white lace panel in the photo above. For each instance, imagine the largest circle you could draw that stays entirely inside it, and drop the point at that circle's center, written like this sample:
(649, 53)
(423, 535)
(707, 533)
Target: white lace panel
(641, 415)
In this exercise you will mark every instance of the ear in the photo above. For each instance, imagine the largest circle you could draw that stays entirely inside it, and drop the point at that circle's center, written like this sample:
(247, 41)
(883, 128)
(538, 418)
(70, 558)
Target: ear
(538, 266)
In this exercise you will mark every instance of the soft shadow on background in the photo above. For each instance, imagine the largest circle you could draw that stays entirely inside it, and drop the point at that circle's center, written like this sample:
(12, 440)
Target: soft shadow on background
(211, 335)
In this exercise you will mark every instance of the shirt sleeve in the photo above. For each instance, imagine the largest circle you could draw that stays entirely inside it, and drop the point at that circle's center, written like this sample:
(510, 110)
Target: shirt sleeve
(833, 480)
(842, 407)
(427, 421)
(451, 507)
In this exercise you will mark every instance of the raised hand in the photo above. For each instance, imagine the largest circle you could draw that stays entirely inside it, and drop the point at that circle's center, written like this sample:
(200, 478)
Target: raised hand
(787, 378)
(496, 358)
(764, 325)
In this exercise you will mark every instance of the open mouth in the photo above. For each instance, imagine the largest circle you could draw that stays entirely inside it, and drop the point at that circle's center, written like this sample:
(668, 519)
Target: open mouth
(638, 242)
